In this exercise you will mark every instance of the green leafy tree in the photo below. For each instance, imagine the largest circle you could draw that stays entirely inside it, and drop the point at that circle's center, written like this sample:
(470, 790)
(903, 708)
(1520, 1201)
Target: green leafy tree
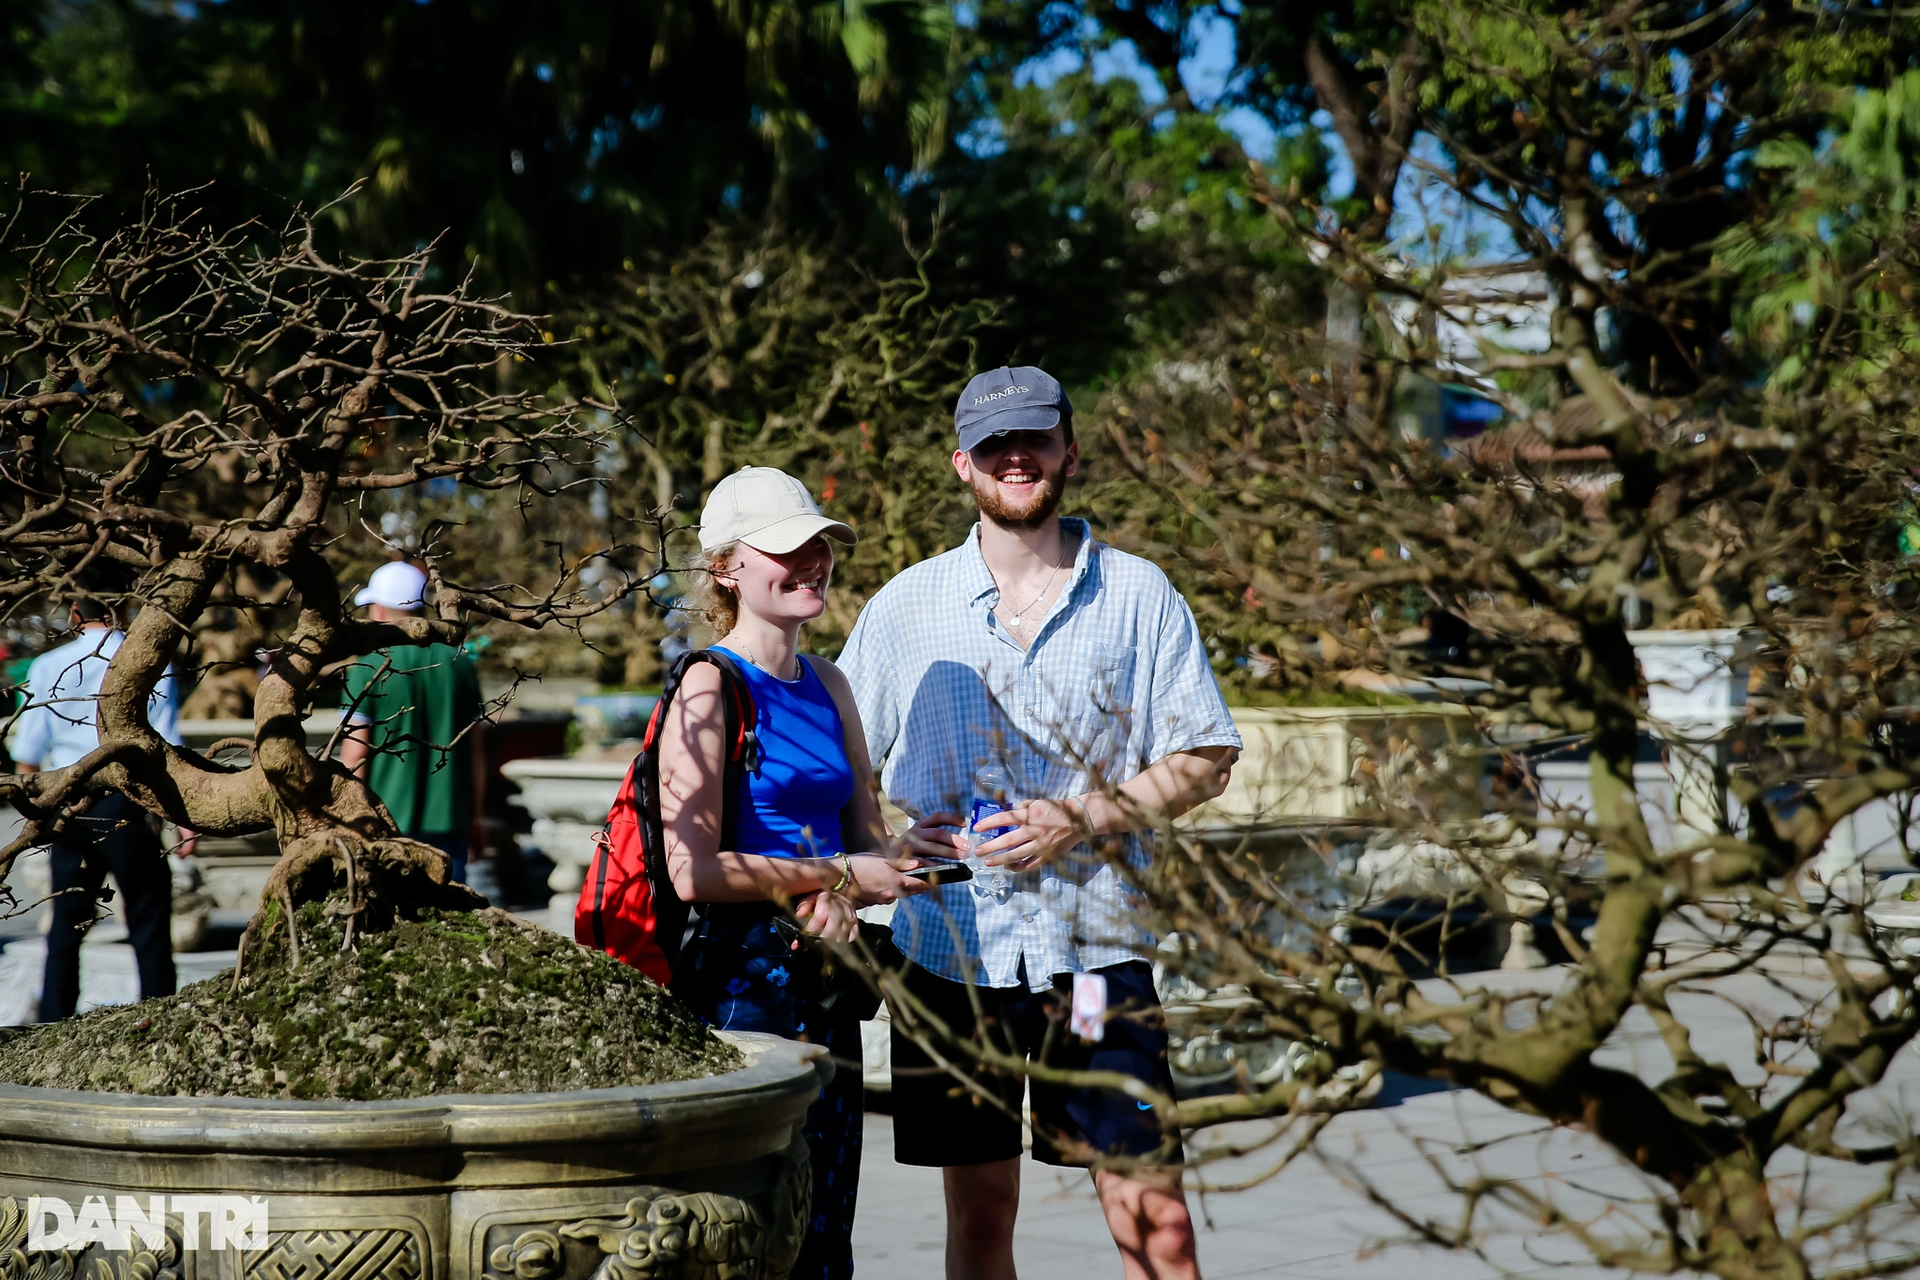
(1358, 63)
(1821, 277)
(1288, 63)
(547, 142)
(1667, 128)
(1104, 222)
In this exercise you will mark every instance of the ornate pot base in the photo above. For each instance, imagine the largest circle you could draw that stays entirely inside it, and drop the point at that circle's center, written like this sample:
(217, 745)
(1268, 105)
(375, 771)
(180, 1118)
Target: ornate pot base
(704, 1178)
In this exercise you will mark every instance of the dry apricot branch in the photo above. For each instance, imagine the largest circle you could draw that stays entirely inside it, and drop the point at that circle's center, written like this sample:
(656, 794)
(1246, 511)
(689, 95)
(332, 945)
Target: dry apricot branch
(191, 411)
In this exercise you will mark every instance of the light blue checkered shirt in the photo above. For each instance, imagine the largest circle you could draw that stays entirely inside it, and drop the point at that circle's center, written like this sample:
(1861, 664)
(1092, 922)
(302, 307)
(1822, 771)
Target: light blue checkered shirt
(1116, 678)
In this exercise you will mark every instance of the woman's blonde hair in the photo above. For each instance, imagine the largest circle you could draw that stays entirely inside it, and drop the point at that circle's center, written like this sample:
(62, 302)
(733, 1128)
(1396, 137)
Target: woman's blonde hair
(716, 604)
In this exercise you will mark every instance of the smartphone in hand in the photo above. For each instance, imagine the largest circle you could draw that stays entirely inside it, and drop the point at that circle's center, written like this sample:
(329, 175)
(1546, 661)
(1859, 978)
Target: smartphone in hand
(940, 873)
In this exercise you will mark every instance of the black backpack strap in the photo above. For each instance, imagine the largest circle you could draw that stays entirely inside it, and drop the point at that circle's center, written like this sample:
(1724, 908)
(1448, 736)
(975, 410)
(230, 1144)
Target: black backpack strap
(743, 740)
(679, 920)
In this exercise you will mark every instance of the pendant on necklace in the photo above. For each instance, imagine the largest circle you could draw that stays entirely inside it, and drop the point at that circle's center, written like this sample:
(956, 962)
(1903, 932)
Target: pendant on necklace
(1014, 621)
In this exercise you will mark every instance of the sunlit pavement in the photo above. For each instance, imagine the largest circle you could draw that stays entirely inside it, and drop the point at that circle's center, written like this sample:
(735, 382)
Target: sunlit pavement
(1318, 1217)
(1303, 1222)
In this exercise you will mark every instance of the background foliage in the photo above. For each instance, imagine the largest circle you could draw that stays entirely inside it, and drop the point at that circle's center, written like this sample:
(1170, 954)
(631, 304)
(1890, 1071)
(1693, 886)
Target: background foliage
(776, 233)
(1253, 240)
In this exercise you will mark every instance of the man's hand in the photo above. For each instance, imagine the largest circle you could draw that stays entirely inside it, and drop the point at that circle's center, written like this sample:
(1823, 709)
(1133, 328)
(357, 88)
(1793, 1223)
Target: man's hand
(189, 842)
(1042, 831)
(937, 835)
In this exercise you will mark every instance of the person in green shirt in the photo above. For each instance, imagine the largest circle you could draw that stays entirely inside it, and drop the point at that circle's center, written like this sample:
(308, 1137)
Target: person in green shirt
(415, 726)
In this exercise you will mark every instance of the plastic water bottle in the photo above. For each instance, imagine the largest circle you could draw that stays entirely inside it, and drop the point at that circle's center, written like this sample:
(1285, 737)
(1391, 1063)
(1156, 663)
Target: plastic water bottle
(992, 793)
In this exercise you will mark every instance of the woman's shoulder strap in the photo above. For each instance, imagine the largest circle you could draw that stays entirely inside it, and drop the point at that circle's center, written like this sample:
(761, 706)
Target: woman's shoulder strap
(742, 754)
(736, 697)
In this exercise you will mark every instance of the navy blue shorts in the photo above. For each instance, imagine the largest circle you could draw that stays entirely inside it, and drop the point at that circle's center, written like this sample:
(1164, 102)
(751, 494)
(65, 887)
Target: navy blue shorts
(939, 1121)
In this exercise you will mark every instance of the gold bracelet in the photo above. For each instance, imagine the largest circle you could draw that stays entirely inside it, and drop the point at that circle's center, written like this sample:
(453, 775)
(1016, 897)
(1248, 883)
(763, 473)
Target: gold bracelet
(846, 876)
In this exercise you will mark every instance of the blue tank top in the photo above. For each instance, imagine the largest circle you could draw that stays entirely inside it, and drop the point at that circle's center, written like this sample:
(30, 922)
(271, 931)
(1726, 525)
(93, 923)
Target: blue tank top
(791, 807)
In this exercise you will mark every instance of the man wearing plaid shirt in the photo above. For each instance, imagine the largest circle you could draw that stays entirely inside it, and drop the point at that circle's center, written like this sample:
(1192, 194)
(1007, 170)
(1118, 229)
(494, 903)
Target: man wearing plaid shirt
(1079, 671)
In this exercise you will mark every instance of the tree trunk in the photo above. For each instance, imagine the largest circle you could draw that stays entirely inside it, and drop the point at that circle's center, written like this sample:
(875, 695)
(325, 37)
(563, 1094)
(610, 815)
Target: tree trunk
(1737, 1231)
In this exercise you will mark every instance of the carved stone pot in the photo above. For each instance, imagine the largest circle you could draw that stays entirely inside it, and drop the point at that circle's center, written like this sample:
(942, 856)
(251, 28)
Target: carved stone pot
(703, 1178)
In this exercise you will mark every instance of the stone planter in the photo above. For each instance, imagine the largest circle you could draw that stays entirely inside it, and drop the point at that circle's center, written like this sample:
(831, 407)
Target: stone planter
(614, 717)
(1696, 693)
(1895, 917)
(703, 1178)
(1307, 763)
(235, 868)
(201, 734)
(1696, 680)
(1566, 786)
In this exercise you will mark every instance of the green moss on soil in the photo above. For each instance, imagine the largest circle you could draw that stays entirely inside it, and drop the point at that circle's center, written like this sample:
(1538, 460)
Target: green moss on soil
(450, 1002)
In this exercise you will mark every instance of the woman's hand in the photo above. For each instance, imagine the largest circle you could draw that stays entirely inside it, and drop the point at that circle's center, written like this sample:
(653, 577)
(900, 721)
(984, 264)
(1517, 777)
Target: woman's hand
(828, 915)
(877, 880)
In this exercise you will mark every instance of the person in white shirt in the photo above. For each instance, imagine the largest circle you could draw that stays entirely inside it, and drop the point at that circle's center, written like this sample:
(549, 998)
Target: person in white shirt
(57, 729)
(1076, 673)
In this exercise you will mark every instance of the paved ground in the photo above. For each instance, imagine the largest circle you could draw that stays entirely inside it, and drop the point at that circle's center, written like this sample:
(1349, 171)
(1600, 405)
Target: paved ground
(1316, 1220)
(1304, 1223)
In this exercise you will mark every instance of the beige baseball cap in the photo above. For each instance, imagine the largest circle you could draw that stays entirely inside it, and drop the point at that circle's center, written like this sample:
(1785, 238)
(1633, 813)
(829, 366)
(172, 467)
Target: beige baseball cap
(768, 510)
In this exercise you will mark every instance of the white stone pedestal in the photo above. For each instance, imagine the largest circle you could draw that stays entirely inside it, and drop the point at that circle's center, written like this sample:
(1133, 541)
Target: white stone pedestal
(1696, 692)
(569, 800)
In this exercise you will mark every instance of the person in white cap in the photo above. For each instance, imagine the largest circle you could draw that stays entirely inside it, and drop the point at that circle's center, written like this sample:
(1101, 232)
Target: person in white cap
(805, 817)
(416, 726)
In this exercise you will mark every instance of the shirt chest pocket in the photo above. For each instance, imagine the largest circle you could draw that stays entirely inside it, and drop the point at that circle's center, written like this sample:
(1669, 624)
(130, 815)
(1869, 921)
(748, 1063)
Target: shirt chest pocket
(1094, 706)
(1110, 680)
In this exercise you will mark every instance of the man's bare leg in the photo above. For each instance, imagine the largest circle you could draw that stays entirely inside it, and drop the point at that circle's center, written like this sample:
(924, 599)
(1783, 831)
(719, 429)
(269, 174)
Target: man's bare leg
(1149, 1220)
(982, 1202)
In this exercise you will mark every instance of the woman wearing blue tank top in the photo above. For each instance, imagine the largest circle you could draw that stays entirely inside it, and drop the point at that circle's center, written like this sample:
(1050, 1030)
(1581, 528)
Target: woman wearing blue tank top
(804, 823)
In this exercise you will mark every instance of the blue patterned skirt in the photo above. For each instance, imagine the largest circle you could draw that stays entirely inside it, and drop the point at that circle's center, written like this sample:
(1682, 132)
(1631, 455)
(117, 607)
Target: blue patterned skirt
(740, 974)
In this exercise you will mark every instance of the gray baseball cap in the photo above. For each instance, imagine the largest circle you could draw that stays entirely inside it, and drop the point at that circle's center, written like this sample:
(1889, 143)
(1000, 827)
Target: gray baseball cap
(1000, 400)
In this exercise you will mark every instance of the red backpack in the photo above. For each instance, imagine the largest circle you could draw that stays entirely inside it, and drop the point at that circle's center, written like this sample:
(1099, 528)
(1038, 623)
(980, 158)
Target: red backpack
(628, 907)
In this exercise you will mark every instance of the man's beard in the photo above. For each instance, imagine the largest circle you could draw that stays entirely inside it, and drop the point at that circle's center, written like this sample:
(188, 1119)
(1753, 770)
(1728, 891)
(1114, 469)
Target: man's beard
(1037, 511)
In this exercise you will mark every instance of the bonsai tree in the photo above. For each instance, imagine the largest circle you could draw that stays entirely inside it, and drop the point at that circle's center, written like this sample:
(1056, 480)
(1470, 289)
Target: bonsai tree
(1696, 323)
(195, 414)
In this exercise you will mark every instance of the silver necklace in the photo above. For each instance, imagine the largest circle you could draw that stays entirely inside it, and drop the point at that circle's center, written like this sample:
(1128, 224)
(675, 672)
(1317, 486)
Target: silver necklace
(1013, 619)
(763, 666)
